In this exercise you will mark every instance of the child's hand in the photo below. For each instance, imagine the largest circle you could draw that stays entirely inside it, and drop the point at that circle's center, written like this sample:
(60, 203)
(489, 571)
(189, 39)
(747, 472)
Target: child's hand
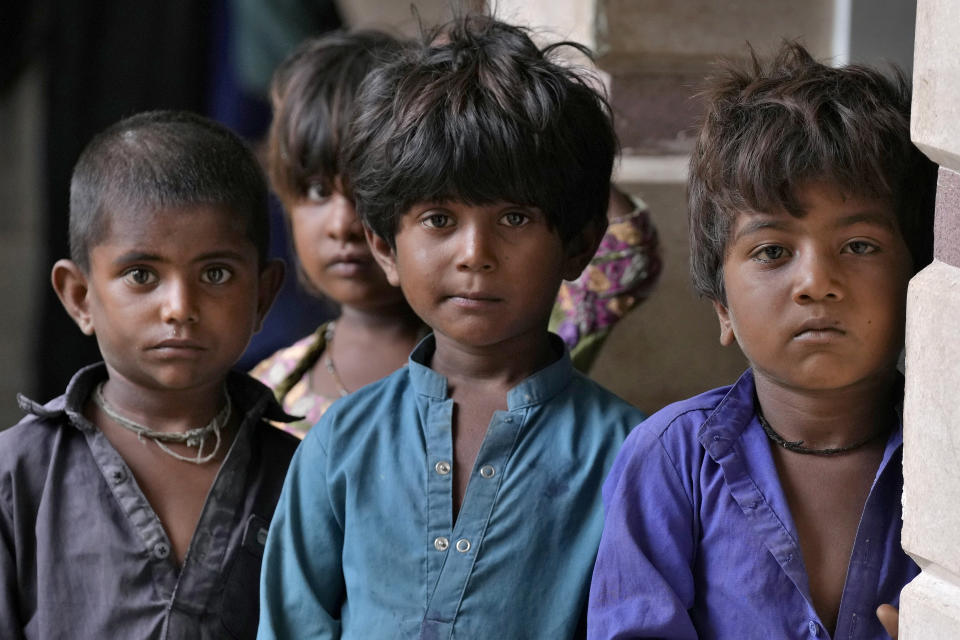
(890, 619)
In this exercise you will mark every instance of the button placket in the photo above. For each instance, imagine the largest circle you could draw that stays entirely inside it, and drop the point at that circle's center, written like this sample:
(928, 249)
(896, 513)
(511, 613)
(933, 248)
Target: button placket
(438, 465)
(466, 537)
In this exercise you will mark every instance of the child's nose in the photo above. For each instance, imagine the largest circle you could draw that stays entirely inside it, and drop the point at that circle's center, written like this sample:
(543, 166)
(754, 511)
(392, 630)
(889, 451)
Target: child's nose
(477, 251)
(343, 223)
(179, 304)
(817, 277)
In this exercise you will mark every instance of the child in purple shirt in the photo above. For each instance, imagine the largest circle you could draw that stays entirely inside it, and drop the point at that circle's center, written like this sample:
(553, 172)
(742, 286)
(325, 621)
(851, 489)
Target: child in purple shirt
(771, 508)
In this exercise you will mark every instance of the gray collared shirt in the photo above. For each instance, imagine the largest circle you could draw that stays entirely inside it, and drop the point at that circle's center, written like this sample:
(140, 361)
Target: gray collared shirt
(82, 553)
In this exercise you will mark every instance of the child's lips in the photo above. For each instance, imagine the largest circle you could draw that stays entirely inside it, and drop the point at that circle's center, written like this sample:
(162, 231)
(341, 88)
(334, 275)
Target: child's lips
(350, 265)
(178, 347)
(819, 330)
(474, 300)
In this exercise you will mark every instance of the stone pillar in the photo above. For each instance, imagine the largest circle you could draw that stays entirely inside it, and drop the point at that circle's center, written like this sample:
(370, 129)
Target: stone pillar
(930, 605)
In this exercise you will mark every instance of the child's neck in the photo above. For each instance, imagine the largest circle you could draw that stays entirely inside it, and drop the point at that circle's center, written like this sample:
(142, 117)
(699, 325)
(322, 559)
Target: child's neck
(502, 365)
(390, 333)
(478, 379)
(166, 410)
(392, 323)
(829, 419)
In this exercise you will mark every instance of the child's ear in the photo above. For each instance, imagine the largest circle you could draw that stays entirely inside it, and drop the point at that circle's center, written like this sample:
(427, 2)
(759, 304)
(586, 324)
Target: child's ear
(727, 335)
(581, 249)
(384, 254)
(70, 283)
(270, 281)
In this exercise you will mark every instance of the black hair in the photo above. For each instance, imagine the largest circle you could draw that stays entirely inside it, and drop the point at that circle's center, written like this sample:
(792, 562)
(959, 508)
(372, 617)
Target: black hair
(313, 92)
(479, 113)
(770, 130)
(162, 160)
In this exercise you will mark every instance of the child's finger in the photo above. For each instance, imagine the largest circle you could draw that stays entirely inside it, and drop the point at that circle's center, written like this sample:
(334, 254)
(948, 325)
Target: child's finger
(890, 619)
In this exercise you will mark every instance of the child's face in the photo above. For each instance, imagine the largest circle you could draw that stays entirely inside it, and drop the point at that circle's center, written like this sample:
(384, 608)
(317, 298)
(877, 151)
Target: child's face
(173, 297)
(334, 255)
(479, 275)
(817, 302)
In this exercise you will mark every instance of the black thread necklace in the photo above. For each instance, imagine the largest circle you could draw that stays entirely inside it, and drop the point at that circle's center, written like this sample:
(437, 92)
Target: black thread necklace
(797, 445)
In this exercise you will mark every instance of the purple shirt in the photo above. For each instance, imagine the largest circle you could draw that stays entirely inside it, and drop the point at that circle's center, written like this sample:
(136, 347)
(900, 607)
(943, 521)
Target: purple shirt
(698, 539)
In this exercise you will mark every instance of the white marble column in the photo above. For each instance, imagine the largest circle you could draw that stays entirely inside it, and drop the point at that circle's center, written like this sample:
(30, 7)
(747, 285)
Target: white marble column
(930, 605)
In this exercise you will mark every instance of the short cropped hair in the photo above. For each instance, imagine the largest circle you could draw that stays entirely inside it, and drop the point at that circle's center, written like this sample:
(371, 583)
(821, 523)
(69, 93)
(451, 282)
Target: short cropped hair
(479, 113)
(313, 93)
(161, 160)
(770, 130)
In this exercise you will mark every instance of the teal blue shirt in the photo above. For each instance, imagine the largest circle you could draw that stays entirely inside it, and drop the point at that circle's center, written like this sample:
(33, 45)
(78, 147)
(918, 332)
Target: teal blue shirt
(363, 545)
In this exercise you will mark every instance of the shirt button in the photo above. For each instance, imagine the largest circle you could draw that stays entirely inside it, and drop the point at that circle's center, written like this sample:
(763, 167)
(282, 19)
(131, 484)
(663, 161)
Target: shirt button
(442, 467)
(463, 545)
(508, 419)
(527, 397)
(118, 476)
(814, 629)
(487, 471)
(161, 550)
(441, 544)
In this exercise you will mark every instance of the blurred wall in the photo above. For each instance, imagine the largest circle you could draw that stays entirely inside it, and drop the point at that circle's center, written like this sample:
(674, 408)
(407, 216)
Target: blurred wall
(655, 54)
(21, 202)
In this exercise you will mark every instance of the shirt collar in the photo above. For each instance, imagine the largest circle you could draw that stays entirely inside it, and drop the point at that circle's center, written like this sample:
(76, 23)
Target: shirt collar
(535, 389)
(249, 396)
(736, 412)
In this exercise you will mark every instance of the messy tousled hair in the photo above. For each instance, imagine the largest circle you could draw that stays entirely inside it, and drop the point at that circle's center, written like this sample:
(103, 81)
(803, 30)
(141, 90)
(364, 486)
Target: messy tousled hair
(770, 130)
(479, 113)
(313, 93)
(161, 160)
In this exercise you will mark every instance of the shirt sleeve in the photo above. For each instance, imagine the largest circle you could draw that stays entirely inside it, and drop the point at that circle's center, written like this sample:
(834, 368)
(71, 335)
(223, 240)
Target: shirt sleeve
(302, 586)
(10, 624)
(643, 583)
(620, 276)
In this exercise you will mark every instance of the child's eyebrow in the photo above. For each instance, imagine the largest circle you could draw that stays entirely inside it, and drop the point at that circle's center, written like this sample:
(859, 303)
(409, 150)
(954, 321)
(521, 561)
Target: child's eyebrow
(868, 217)
(143, 256)
(225, 254)
(137, 256)
(759, 224)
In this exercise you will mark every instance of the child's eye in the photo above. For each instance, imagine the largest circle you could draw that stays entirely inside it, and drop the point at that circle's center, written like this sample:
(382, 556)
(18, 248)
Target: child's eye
(436, 220)
(139, 276)
(515, 218)
(769, 253)
(860, 247)
(316, 192)
(216, 275)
